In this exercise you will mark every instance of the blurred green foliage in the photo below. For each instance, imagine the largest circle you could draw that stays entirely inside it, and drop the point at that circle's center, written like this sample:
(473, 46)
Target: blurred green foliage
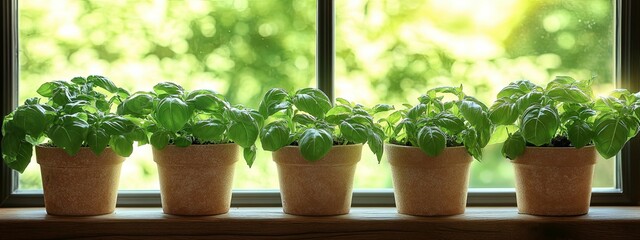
(387, 51)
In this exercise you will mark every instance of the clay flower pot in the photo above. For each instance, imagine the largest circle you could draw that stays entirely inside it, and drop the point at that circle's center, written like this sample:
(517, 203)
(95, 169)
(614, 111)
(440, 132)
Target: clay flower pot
(429, 186)
(196, 180)
(80, 185)
(319, 188)
(554, 181)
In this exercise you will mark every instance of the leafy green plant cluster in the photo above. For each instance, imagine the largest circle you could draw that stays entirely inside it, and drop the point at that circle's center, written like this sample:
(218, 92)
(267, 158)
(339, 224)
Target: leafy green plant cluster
(75, 114)
(435, 123)
(565, 114)
(308, 119)
(171, 115)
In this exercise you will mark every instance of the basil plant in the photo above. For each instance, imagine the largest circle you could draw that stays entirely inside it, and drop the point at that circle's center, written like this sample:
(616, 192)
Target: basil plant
(437, 122)
(73, 114)
(171, 115)
(564, 114)
(308, 119)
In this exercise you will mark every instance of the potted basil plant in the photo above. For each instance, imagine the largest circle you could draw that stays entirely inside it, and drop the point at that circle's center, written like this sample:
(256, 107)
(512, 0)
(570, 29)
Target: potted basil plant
(316, 147)
(196, 137)
(553, 136)
(430, 148)
(80, 145)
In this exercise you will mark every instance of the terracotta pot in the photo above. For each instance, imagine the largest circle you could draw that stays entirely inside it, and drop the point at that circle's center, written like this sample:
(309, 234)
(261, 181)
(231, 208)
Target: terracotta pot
(554, 181)
(429, 186)
(196, 180)
(319, 188)
(80, 185)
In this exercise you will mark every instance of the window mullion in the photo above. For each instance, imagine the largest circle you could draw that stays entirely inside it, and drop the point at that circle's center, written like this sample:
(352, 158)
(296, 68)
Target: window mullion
(9, 75)
(325, 51)
(628, 76)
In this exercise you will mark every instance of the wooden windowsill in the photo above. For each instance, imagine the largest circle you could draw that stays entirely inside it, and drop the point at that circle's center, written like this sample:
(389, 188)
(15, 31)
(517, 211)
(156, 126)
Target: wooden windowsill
(361, 223)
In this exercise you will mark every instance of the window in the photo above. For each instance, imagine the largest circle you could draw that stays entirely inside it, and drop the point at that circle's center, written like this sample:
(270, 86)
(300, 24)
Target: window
(390, 48)
(393, 50)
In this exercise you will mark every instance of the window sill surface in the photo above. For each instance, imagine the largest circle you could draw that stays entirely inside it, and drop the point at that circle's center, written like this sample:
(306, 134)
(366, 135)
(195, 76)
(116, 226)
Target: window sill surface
(361, 223)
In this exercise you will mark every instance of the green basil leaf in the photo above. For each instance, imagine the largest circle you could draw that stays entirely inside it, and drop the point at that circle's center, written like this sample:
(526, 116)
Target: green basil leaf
(338, 114)
(48, 89)
(633, 124)
(457, 91)
(611, 134)
(138, 104)
(206, 102)
(416, 112)
(70, 134)
(79, 80)
(375, 140)
(514, 146)
(484, 131)
(449, 122)
(250, 155)
(22, 158)
(431, 140)
(97, 139)
(586, 113)
(31, 119)
(517, 89)
(241, 115)
(168, 88)
(608, 104)
(103, 83)
(62, 96)
(122, 145)
(503, 112)
(354, 132)
(160, 140)
(78, 106)
(209, 130)
(394, 117)
(340, 109)
(16, 151)
(560, 82)
(315, 144)
(568, 94)
(102, 105)
(304, 119)
(378, 108)
(172, 113)
(274, 101)
(580, 134)
(312, 101)
(10, 142)
(182, 141)
(274, 136)
(501, 133)
(116, 125)
(244, 134)
(539, 124)
(361, 119)
(528, 100)
(256, 116)
(473, 112)
(139, 135)
(470, 142)
(344, 102)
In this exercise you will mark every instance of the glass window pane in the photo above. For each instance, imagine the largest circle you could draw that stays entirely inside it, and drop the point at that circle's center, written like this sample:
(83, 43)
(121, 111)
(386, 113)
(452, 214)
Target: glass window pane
(238, 48)
(393, 51)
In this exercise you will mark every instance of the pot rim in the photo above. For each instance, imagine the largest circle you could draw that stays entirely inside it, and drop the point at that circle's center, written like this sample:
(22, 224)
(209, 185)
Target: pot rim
(550, 156)
(332, 146)
(198, 145)
(561, 148)
(403, 146)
